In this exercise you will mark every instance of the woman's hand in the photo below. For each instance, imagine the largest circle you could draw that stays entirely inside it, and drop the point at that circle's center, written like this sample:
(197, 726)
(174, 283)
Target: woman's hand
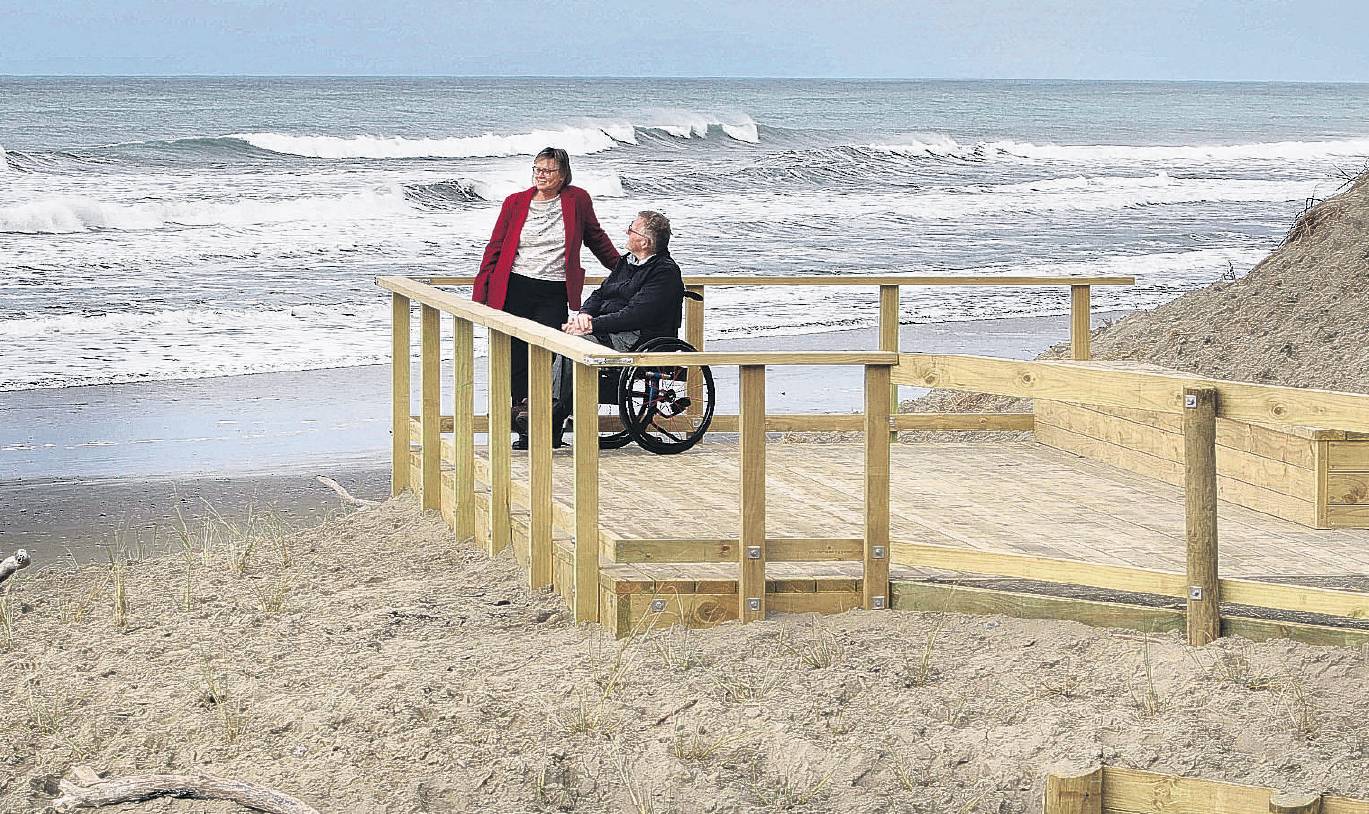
(579, 324)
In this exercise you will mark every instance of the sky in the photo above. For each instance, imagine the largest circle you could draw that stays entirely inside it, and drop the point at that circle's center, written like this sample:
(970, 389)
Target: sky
(1264, 40)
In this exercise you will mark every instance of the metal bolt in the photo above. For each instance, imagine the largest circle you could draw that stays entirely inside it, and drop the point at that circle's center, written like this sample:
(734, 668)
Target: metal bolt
(753, 552)
(753, 603)
(877, 602)
(1195, 592)
(1190, 400)
(877, 553)
(657, 605)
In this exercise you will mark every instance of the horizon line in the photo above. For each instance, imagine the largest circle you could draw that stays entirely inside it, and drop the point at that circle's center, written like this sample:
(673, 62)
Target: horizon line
(716, 77)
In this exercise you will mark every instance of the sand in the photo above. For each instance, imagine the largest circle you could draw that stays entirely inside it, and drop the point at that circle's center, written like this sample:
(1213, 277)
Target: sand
(374, 664)
(1296, 319)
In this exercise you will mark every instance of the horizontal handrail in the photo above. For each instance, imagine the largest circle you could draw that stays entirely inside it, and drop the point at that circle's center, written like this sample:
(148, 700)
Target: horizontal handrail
(596, 355)
(1129, 384)
(859, 279)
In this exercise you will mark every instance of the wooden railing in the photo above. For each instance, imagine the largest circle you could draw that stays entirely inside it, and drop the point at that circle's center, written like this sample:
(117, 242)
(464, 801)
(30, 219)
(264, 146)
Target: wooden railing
(890, 286)
(1200, 401)
(587, 357)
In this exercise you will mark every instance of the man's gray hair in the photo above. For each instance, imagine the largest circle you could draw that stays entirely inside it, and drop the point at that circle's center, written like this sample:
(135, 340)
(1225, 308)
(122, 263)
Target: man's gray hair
(658, 227)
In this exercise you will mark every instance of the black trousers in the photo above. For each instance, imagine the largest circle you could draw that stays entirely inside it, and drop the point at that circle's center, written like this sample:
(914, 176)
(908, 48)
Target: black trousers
(542, 301)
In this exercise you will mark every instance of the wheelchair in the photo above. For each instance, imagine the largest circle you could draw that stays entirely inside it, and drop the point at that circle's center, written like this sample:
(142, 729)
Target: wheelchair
(654, 403)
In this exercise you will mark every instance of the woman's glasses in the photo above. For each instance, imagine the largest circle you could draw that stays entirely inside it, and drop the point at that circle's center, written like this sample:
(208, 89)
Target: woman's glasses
(543, 172)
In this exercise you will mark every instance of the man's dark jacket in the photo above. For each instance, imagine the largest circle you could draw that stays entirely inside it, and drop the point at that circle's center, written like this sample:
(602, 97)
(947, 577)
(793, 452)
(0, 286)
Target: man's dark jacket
(642, 298)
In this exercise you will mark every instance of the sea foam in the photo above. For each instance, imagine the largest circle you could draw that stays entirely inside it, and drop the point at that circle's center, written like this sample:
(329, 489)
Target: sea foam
(937, 146)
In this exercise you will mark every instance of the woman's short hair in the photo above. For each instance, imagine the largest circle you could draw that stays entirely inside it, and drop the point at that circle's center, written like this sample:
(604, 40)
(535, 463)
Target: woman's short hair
(562, 159)
(658, 226)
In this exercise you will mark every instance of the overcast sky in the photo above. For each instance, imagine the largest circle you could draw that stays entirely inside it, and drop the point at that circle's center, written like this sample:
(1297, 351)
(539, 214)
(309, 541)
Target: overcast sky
(1312, 40)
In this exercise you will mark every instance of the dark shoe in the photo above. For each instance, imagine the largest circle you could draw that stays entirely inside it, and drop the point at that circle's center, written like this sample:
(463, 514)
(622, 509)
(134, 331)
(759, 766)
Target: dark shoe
(521, 442)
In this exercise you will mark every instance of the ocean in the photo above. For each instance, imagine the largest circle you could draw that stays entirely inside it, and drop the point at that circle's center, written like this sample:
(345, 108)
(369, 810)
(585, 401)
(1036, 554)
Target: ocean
(180, 228)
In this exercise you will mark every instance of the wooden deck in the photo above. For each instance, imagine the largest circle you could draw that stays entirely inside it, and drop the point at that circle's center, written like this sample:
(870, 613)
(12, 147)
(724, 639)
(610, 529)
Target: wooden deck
(1019, 497)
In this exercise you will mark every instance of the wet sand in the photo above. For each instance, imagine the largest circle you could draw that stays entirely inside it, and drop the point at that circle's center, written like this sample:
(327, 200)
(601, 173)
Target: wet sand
(83, 466)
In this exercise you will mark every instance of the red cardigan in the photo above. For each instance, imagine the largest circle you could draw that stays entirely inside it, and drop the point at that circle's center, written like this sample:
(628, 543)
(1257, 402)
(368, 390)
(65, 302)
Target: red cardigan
(492, 283)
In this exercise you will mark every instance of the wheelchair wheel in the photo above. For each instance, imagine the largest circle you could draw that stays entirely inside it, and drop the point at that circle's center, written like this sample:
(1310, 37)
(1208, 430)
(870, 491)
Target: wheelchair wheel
(655, 403)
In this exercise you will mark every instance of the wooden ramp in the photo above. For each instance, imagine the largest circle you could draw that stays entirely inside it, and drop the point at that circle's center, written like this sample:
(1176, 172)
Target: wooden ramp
(1021, 498)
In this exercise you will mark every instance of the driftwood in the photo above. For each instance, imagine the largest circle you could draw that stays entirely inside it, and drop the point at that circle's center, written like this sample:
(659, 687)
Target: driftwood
(14, 564)
(92, 792)
(347, 497)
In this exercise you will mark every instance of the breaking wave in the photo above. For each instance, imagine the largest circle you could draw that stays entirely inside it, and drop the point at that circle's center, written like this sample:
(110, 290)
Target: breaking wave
(586, 137)
(82, 214)
(945, 147)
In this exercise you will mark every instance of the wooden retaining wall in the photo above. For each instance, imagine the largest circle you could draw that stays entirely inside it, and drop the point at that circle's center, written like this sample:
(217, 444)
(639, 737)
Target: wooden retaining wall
(1314, 476)
(1117, 790)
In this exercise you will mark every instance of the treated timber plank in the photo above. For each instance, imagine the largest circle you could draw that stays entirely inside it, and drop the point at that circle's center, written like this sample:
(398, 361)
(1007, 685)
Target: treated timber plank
(1141, 792)
(463, 439)
(751, 585)
(500, 465)
(816, 422)
(876, 491)
(1080, 327)
(1045, 569)
(539, 467)
(400, 393)
(1348, 517)
(1347, 456)
(940, 598)
(1230, 489)
(1113, 384)
(777, 549)
(943, 598)
(888, 335)
(1200, 514)
(699, 281)
(586, 494)
(430, 385)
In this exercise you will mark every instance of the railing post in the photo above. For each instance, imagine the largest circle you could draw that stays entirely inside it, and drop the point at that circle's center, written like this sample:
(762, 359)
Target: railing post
(888, 337)
(751, 550)
(430, 382)
(539, 466)
(875, 592)
(501, 417)
(694, 335)
(1080, 326)
(463, 426)
(586, 493)
(400, 393)
(1200, 513)
(1075, 794)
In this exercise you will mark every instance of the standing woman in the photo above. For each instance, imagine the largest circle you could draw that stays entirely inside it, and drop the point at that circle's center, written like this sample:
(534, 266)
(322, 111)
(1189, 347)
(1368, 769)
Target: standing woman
(531, 266)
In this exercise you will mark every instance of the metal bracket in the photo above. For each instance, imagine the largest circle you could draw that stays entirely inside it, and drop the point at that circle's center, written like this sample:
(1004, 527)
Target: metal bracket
(1191, 401)
(877, 602)
(657, 605)
(877, 553)
(753, 552)
(753, 603)
(1195, 592)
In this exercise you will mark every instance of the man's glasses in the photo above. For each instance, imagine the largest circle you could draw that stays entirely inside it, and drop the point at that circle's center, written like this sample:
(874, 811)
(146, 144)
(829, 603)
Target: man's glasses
(543, 172)
(638, 234)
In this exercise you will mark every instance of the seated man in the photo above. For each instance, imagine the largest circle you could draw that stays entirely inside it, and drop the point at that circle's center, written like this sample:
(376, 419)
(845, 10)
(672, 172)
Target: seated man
(640, 300)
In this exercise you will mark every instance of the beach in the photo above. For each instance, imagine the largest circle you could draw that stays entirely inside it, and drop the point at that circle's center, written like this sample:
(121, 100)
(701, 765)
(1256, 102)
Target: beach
(87, 468)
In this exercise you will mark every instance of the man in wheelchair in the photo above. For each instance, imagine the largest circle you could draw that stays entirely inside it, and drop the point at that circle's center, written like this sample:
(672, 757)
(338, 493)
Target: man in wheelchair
(641, 300)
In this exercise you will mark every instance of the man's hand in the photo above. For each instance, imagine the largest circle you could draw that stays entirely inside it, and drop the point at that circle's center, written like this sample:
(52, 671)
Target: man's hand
(579, 324)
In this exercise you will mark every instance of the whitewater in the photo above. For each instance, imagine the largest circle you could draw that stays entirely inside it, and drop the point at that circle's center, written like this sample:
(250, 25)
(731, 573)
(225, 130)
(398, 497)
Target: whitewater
(174, 229)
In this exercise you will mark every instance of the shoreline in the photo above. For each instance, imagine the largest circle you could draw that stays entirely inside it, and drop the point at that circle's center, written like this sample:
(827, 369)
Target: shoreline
(84, 465)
